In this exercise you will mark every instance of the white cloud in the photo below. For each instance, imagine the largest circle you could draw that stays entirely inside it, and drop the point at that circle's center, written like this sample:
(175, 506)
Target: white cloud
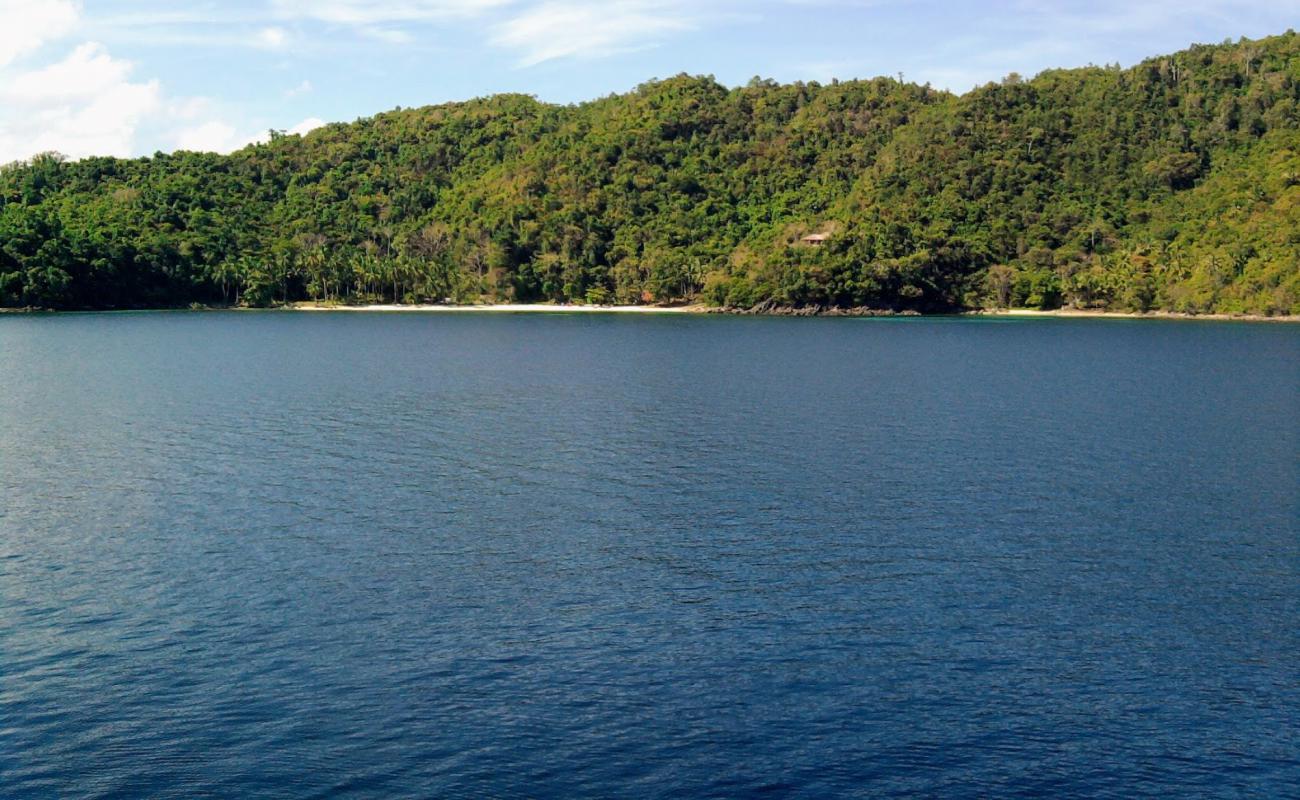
(306, 126)
(89, 71)
(216, 136)
(210, 137)
(84, 105)
(372, 12)
(271, 38)
(303, 88)
(589, 28)
(28, 24)
(89, 104)
(190, 108)
(388, 35)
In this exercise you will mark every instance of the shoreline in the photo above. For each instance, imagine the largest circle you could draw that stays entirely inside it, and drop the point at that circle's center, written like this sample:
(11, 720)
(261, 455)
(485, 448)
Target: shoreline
(695, 308)
(507, 308)
(1088, 313)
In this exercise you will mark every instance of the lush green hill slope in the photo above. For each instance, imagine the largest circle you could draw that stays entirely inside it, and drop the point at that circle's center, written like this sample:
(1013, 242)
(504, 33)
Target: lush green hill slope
(1171, 185)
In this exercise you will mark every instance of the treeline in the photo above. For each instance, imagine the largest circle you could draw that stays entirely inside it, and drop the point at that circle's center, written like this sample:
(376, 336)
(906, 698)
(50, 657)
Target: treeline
(1171, 185)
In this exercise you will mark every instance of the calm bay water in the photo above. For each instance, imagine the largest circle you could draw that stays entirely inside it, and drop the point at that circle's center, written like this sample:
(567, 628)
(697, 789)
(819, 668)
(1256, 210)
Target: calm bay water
(271, 555)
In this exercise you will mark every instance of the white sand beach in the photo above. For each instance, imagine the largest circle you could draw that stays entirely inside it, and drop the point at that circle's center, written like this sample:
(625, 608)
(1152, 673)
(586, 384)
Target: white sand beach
(512, 308)
(1082, 313)
(558, 308)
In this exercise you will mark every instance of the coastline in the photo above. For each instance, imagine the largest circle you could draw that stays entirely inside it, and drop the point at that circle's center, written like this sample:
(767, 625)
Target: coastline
(694, 308)
(507, 308)
(1085, 313)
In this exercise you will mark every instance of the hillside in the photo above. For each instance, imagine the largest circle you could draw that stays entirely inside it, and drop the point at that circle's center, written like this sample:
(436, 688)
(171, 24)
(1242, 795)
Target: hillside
(1174, 185)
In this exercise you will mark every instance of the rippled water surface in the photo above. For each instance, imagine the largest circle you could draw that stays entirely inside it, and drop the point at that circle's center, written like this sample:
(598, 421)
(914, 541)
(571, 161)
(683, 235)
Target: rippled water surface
(273, 555)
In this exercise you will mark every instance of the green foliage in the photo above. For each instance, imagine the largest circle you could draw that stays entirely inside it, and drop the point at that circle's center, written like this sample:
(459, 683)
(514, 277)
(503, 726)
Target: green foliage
(1174, 184)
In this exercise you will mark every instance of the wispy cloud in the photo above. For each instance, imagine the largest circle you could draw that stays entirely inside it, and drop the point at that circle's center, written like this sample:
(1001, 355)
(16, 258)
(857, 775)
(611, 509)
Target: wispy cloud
(537, 30)
(305, 87)
(378, 12)
(388, 35)
(271, 38)
(590, 29)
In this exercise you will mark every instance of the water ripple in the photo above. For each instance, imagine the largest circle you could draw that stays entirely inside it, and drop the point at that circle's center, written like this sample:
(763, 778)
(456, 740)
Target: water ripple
(275, 555)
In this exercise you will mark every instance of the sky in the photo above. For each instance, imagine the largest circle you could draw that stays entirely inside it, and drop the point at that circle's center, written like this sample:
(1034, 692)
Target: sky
(134, 77)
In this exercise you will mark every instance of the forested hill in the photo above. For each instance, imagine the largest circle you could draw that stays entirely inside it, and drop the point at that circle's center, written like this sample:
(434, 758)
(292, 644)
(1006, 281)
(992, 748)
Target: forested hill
(1174, 185)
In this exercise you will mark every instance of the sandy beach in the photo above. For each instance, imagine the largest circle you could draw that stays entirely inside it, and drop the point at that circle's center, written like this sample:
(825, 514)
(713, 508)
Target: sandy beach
(1080, 313)
(512, 308)
(556, 308)
(696, 308)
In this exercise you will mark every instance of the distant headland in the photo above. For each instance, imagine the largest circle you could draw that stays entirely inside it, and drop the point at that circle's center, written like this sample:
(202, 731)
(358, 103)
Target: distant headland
(1172, 187)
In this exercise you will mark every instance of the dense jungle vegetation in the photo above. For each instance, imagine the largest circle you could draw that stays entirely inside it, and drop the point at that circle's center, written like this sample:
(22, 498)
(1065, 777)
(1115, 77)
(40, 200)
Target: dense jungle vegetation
(1174, 185)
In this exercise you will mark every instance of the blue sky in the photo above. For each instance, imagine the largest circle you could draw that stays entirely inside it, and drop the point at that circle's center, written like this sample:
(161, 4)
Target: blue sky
(126, 78)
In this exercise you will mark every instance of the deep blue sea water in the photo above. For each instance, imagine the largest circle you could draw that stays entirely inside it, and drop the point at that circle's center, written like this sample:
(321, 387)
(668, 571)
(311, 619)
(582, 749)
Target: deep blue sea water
(581, 556)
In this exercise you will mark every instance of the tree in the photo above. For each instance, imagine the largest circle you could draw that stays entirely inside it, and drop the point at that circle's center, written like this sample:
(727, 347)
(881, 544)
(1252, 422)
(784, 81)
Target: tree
(1031, 190)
